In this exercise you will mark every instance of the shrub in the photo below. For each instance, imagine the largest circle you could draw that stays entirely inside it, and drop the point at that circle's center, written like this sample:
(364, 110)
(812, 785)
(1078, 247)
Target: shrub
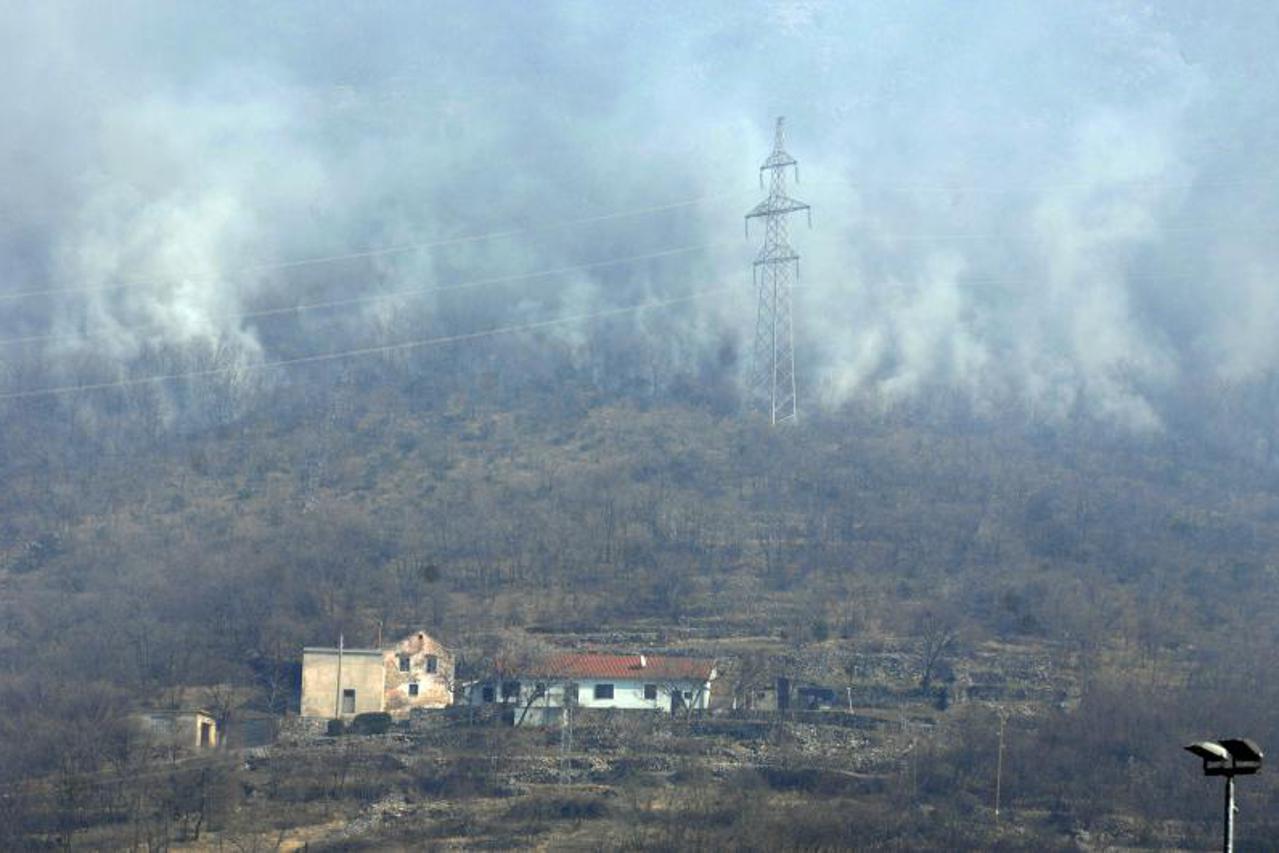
(541, 808)
(372, 723)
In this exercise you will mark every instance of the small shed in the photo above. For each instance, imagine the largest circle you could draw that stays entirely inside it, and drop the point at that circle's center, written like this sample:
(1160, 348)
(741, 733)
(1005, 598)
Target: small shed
(187, 729)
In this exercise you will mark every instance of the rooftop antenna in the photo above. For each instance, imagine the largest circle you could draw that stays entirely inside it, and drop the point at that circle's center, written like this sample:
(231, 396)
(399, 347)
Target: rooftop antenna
(772, 377)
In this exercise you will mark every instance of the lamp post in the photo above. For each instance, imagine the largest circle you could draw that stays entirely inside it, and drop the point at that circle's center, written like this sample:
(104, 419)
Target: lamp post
(1229, 757)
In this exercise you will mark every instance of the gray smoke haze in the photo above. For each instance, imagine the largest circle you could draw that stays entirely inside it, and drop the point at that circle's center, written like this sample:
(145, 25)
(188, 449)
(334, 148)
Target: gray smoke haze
(1060, 207)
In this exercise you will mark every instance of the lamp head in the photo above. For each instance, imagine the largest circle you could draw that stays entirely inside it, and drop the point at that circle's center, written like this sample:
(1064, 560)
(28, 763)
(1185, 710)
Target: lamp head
(1228, 756)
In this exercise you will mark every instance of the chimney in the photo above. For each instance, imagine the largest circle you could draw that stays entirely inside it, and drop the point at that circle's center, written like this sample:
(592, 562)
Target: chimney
(643, 662)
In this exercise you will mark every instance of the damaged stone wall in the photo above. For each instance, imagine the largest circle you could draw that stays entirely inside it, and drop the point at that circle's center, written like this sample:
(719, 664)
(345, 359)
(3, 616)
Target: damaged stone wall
(422, 654)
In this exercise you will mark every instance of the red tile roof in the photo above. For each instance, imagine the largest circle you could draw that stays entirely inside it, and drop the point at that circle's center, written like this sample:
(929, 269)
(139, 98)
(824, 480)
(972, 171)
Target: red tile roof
(635, 667)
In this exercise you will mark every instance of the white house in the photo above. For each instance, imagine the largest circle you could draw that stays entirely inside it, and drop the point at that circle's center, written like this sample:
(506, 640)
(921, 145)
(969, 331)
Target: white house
(630, 682)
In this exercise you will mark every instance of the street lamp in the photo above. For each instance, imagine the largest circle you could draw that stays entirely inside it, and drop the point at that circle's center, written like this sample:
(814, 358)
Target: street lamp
(1229, 757)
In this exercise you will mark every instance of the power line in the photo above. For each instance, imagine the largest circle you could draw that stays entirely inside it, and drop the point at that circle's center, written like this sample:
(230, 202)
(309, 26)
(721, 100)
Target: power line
(963, 281)
(394, 294)
(620, 214)
(979, 189)
(871, 235)
(377, 252)
(506, 279)
(1005, 235)
(363, 351)
(408, 247)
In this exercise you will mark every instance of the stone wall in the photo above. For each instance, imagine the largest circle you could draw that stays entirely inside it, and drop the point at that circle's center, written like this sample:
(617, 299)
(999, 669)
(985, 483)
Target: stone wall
(434, 689)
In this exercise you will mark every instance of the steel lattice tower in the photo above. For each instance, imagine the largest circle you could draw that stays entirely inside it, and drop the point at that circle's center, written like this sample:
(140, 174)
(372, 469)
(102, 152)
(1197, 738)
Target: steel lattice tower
(772, 380)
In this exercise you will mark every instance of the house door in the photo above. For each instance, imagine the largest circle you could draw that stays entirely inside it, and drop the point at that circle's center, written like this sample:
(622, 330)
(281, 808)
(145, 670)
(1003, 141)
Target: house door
(206, 735)
(348, 701)
(677, 700)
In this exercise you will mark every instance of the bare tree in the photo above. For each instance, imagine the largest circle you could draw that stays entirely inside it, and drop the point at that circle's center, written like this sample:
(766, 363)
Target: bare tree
(502, 657)
(748, 674)
(938, 637)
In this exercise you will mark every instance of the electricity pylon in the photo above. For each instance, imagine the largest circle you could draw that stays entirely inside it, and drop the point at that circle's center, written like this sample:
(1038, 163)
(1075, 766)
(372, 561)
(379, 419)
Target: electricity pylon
(772, 381)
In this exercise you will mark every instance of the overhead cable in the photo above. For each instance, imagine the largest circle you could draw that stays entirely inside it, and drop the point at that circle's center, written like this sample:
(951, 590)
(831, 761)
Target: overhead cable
(387, 295)
(360, 352)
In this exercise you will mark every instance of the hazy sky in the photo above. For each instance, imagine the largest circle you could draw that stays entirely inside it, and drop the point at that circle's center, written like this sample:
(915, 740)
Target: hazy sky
(1057, 205)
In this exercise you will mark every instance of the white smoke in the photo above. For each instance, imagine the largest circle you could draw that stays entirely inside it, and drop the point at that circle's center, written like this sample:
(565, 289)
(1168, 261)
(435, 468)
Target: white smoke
(1047, 208)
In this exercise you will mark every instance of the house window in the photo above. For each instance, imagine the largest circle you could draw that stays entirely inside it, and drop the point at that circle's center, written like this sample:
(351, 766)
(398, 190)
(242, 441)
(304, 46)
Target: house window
(487, 693)
(348, 701)
(688, 694)
(404, 663)
(432, 663)
(603, 691)
(413, 688)
(510, 690)
(650, 691)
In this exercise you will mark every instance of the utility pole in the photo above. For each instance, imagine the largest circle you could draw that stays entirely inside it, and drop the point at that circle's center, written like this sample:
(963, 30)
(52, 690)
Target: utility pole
(337, 699)
(772, 378)
(566, 741)
(999, 768)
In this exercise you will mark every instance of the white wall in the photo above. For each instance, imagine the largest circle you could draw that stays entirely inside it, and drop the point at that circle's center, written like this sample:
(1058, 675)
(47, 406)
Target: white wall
(627, 694)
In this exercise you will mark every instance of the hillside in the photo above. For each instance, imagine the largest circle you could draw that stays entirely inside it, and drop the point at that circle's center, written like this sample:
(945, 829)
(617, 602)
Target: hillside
(1057, 573)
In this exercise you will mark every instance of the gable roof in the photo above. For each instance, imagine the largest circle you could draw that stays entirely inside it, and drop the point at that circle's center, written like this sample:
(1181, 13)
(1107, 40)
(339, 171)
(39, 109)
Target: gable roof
(634, 667)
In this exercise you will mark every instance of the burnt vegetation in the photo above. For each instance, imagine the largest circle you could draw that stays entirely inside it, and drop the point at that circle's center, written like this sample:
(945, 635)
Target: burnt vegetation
(901, 558)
